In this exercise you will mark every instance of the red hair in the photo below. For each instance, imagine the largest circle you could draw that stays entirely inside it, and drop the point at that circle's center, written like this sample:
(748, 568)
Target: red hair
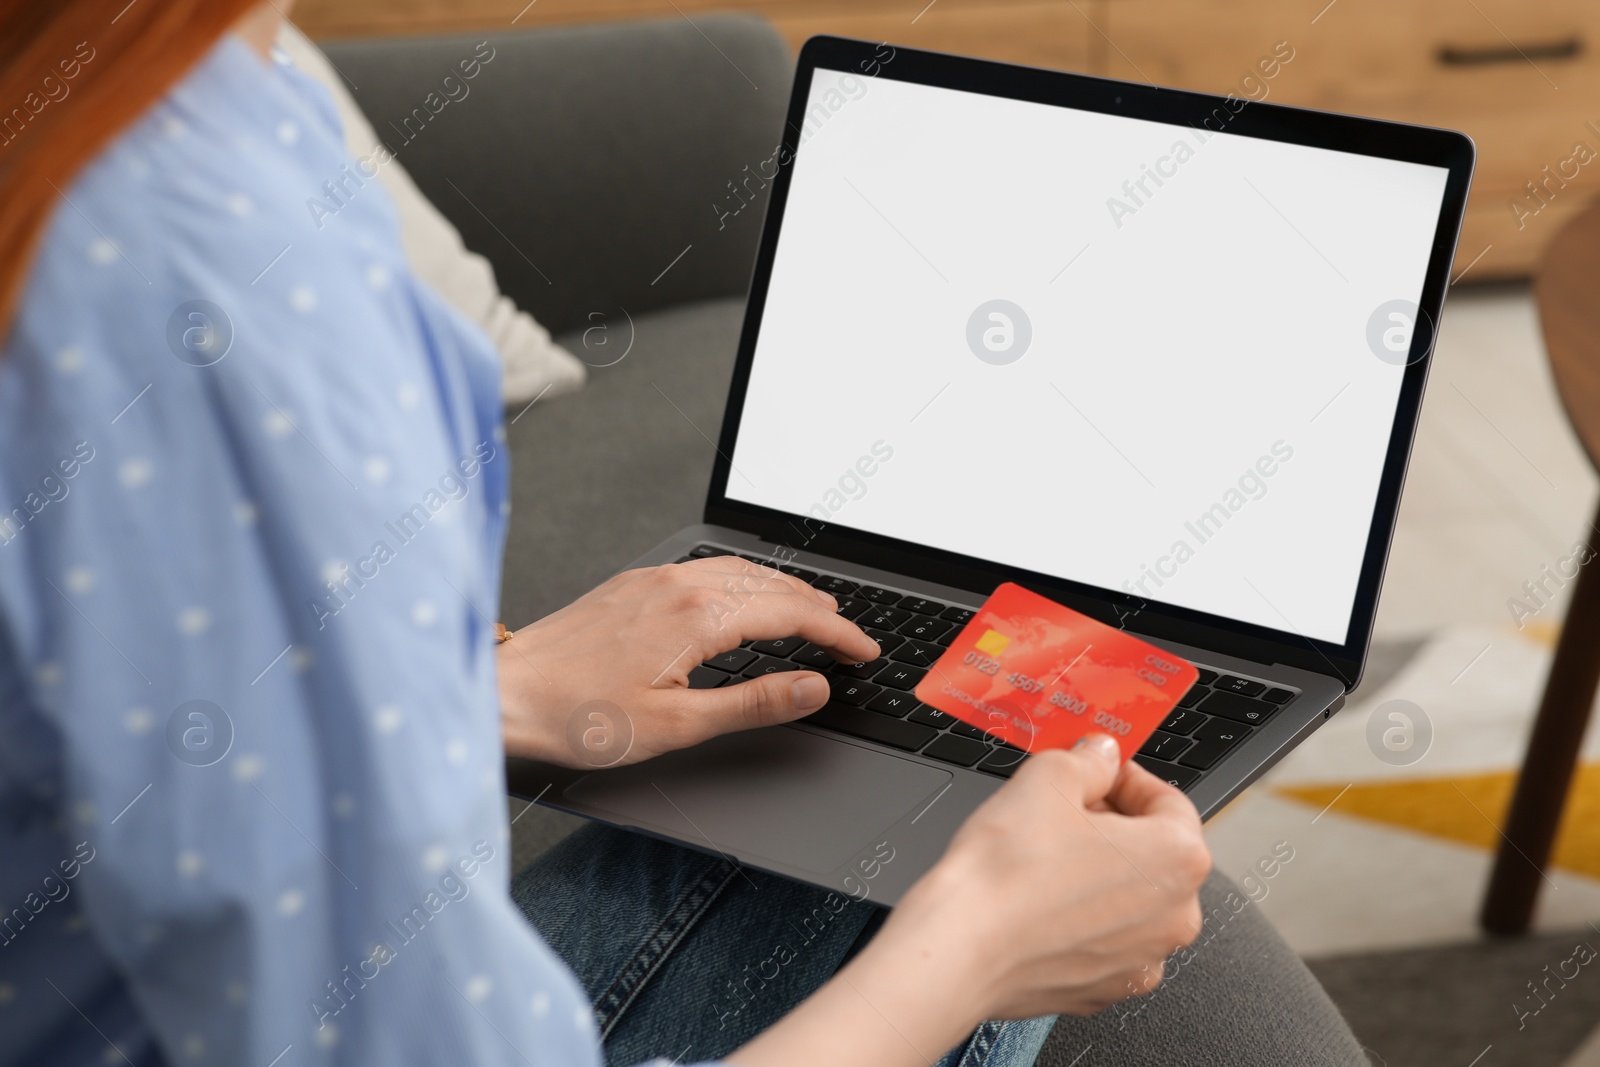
(74, 74)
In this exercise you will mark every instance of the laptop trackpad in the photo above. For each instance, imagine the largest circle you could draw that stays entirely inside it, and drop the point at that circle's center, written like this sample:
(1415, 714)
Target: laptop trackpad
(776, 794)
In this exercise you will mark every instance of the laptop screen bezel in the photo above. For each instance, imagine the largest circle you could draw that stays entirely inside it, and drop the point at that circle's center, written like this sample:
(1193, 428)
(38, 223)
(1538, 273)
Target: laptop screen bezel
(1417, 144)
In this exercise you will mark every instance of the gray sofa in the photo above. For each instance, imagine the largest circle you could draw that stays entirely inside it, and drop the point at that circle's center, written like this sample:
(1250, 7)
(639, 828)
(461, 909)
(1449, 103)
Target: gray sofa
(582, 163)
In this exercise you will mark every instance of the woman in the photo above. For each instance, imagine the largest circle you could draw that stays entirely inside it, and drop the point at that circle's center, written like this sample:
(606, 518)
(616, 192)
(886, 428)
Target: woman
(250, 773)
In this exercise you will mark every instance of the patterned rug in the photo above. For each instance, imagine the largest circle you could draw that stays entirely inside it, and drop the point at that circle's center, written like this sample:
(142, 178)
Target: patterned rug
(1396, 855)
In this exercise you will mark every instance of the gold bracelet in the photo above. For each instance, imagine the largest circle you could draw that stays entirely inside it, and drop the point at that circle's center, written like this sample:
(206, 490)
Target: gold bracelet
(501, 634)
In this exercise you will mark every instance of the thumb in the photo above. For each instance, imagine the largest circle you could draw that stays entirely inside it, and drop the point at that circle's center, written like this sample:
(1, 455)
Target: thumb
(1098, 761)
(763, 701)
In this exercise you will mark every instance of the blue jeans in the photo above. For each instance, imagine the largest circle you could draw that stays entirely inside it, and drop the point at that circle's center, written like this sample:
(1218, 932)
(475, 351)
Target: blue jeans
(687, 956)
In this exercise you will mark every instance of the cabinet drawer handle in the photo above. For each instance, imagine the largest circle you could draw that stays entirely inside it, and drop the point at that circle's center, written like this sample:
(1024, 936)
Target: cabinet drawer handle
(1565, 48)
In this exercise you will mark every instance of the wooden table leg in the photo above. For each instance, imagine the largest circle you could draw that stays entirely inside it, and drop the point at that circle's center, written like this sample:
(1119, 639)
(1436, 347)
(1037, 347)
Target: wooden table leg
(1552, 756)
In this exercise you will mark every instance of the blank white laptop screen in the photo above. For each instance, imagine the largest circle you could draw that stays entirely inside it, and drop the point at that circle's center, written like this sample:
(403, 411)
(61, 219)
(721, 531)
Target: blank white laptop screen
(1147, 357)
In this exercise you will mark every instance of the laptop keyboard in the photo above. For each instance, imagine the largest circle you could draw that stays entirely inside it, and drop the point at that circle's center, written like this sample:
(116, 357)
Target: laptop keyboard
(873, 701)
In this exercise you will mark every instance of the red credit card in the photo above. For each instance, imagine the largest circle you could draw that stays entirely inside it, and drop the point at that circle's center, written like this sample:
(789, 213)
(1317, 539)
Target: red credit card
(1039, 675)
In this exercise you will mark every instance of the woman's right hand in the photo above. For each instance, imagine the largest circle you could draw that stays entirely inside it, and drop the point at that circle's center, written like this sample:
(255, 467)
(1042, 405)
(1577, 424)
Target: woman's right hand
(1063, 893)
(1069, 886)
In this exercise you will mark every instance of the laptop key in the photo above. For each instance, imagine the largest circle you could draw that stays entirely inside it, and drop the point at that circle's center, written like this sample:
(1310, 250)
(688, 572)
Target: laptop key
(813, 656)
(703, 677)
(1182, 722)
(832, 583)
(706, 551)
(852, 690)
(962, 751)
(852, 607)
(1231, 683)
(860, 669)
(1238, 708)
(733, 661)
(1206, 676)
(896, 733)
(1196, 693)
(924, 628)
(882, 618)
(966, 729)
(959, 616)
(779, 646)
(768, 665)
(931, 717)
(878, 594)
(1003, 761)
(1278, 696)
(799, 572)
(1213, 740)
(892, 702)
(683, 559)
(1171, 773)
(920, 605)
(887, 641)
(899, 676)
(1165, 746)
(914, 652)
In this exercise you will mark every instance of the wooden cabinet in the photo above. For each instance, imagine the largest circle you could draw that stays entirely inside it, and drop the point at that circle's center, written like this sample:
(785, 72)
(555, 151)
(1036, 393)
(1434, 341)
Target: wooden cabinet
(1520, 76)
(1048, 33)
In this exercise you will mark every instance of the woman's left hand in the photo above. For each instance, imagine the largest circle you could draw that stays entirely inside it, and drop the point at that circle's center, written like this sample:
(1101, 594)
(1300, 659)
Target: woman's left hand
(605, 680)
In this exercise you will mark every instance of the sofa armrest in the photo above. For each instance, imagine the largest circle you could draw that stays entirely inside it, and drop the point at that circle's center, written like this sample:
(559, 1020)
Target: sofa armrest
(583, 161)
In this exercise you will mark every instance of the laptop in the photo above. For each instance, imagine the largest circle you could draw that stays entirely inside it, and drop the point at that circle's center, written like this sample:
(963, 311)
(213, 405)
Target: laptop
(1154, 354)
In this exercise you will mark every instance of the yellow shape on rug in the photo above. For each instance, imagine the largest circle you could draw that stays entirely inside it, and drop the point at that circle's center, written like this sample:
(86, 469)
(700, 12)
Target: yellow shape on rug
(1467, 809)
